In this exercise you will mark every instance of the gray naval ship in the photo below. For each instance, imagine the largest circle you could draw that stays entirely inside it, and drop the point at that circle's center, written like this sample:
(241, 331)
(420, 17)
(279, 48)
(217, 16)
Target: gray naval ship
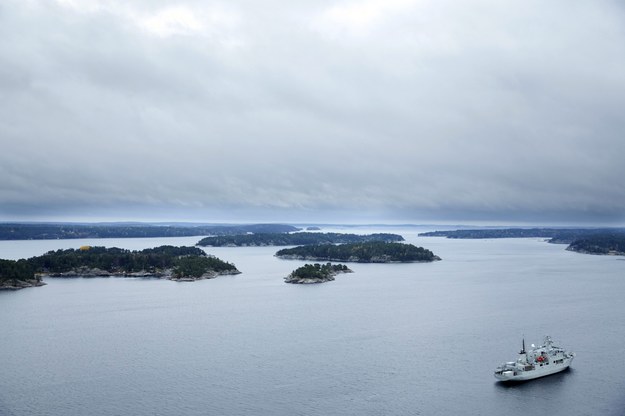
(536, 362)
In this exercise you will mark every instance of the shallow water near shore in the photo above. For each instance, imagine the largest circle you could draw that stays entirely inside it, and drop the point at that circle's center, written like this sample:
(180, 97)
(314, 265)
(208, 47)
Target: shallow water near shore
(388, 339)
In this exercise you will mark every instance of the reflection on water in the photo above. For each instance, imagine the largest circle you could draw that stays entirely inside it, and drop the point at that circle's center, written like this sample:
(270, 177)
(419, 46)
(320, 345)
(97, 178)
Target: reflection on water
(547, 393)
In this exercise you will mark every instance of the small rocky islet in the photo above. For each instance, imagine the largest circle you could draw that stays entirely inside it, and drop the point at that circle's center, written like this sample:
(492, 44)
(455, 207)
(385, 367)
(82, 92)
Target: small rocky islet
(316, 273)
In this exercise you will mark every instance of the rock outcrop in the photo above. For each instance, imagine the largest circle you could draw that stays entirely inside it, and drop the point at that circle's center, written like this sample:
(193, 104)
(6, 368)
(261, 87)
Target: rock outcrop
(20, 284)
(157, 274)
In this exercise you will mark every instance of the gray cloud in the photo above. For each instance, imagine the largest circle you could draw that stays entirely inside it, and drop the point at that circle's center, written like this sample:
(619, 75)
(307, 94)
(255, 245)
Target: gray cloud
(398, 110)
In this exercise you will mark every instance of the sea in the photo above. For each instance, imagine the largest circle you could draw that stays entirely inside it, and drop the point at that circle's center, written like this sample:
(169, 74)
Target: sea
(388, 339)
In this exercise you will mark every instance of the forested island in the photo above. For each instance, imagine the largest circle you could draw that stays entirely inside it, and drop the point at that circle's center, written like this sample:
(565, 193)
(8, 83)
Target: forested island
(316, 273)
(293, 239)
(11, 231)
(610, 244)
(368, 252)
(167, 262)
(555, 235)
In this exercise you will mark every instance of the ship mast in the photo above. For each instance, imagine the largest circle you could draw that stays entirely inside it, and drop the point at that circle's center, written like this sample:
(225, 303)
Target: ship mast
(523, 347)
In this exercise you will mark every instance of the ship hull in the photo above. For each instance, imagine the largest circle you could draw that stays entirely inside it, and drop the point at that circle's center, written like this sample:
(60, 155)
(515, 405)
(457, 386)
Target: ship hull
(545, 370)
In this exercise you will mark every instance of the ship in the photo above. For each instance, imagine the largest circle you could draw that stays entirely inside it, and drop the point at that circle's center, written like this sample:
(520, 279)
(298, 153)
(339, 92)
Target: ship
(536, 362)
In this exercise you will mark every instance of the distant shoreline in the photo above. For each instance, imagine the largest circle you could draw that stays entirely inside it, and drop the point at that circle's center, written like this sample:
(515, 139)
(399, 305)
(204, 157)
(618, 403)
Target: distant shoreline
(56, 231)
(602, 241)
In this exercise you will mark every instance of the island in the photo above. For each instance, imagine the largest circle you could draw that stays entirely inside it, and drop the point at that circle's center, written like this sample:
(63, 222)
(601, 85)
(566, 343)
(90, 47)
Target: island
(316, 273)
(293, 239)
(165, 262)
(607, 244)
(53, 231)
(367, 252)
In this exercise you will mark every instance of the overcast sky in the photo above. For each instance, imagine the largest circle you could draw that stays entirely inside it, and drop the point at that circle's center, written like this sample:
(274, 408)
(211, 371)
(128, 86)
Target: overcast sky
(338, 111)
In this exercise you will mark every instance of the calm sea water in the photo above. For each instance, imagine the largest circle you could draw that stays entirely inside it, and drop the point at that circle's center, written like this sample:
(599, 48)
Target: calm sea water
(395, 339)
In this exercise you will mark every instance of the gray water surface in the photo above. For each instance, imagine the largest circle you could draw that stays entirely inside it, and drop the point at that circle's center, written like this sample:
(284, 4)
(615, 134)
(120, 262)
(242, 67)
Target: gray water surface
(389, 339)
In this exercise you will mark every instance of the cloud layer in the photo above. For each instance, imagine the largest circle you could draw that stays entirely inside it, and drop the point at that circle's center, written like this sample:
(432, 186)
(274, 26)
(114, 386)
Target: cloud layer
(398, 109)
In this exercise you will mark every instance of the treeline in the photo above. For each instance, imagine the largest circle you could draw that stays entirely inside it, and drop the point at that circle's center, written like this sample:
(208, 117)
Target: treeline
(369, 252)
(319, 271)
(555, 235)
(16, 270)
(182, 261)
(294, 239)
(69, 231)
(613, 243)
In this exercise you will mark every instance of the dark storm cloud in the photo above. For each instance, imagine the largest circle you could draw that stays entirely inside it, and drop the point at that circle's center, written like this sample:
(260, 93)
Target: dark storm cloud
(402, 109)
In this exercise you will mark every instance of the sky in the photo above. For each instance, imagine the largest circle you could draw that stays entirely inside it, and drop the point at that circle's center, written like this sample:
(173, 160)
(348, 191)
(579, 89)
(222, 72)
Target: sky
(398, 111)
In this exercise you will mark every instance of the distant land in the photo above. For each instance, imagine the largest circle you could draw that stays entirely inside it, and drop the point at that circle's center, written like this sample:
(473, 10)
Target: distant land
(50, 231)
(609, 244)
(555, 235)
(316, 273)
(166, 262)
(293, 239)
(368, 252)
(582, 240)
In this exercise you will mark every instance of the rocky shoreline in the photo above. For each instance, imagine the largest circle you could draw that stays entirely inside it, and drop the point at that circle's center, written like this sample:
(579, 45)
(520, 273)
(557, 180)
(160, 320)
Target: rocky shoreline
(168, 274)
(20, 284)
(93, 273)
(308, 280)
